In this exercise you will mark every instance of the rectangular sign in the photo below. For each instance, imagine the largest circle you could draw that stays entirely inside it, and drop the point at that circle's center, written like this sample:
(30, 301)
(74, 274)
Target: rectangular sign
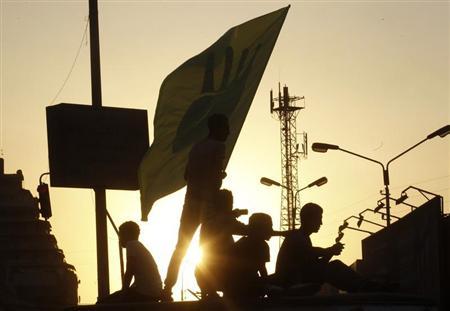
(95, 147)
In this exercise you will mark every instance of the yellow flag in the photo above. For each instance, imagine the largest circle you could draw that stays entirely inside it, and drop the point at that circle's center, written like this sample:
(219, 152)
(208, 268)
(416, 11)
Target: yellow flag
(222, 79)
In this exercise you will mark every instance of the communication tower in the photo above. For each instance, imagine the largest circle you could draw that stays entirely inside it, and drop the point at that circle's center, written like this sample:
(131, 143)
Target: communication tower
(286, 109)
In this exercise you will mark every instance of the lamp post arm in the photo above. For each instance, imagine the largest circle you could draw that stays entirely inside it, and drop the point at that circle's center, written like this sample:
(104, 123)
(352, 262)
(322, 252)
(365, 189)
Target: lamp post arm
(365, 220)
(360, 230)
(422, 192)
(350, 217)
(385, 169)
(407, 150)
(373, 223)
(42, 175)
(296, 192)
(382, 214)
(385, 181)
(361, 156)
(295, 195)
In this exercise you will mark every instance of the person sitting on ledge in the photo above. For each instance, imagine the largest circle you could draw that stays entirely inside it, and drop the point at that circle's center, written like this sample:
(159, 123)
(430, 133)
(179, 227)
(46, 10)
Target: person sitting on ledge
(299, 262)
(216, 242)
(147, 284)
(247, 273)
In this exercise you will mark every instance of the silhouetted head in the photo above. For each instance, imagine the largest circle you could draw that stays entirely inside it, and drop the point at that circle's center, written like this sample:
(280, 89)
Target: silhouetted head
(224, 200)
(218, 127)
(260, 225)
(311, 217)
(128, 231)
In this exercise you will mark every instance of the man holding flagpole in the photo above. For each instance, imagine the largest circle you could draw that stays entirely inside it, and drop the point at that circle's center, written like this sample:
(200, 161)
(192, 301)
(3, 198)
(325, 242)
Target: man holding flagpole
(221, 80)
(203, 174)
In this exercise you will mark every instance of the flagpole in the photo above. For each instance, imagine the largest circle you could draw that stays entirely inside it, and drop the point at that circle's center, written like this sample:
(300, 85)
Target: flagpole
(100, 193)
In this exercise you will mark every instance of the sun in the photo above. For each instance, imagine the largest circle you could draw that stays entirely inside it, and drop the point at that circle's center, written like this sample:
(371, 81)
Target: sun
(160, 236)
(194, 254)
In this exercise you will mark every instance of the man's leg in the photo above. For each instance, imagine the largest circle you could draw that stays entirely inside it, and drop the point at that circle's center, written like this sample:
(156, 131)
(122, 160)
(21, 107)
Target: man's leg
(189, 222)
(116, 297)
(342, 276)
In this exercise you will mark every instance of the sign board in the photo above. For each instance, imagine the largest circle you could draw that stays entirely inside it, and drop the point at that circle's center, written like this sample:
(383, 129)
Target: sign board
(95, 147)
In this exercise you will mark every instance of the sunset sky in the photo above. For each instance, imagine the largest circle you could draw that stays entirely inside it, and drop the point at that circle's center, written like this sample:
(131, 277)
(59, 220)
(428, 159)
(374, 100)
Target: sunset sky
(375, 75)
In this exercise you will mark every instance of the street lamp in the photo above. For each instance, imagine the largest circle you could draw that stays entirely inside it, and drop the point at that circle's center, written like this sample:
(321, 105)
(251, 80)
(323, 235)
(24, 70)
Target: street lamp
(318, 182)
(423, 192)
(375, 211)
(270, 182)
(345, 225)
(404, 196)
(398, 201)
(322, 147)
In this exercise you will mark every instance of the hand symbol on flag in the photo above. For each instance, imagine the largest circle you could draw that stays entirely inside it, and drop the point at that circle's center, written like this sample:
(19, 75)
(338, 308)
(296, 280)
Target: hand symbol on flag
(190, 94)
(223, 100)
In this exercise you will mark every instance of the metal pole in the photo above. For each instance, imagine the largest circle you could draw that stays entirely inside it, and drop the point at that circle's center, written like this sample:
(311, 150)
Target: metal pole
(388, 204)
(100, 193)
(385, 181)
(294, 212)
(120, 246)
(96, 85)
(102, 243)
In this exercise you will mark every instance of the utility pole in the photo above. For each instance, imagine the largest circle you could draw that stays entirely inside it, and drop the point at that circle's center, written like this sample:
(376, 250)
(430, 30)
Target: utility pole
(100, 193)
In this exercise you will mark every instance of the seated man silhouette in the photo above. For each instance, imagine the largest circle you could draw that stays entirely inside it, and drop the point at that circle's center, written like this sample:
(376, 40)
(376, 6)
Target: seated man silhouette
(216, 242)
(247, 274)
(300, 262)
(140, 265)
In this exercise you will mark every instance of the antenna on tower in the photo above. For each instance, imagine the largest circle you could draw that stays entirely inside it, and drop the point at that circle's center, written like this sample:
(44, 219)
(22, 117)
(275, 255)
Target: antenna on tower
(286, 109)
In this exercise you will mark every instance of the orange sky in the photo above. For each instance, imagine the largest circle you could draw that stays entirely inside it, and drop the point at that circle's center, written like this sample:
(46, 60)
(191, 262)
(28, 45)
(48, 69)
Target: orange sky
(375, 76)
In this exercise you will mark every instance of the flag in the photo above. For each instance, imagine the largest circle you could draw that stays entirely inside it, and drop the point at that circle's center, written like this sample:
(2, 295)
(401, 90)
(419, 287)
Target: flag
(222, 79)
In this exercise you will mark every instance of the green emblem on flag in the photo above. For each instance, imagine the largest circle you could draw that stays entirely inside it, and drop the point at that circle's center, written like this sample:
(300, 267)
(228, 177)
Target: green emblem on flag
(222, 79)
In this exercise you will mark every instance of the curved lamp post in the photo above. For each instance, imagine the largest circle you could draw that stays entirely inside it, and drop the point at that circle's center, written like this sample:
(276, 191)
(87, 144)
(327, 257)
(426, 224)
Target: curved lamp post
(322, 147)
(375, 211)
(270, 182)
(345, 225)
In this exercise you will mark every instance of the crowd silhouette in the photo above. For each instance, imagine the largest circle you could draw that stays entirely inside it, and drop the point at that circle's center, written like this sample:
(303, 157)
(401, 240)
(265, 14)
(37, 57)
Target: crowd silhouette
(237, 269)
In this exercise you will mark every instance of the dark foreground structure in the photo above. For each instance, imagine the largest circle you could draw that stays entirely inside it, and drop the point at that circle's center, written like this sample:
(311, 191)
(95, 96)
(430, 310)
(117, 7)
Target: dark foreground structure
(33, 272)
(372, 302)
(413, 253)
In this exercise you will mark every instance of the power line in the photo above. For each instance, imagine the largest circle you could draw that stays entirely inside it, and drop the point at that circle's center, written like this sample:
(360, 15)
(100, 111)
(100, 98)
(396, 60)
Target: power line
(347, 207)
(73, 64)
(420, 182)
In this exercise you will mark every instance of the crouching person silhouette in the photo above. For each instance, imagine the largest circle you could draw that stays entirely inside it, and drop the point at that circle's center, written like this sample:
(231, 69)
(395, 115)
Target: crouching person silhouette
(247, 274)
(140, 265)
(299, 262)
(216, 242)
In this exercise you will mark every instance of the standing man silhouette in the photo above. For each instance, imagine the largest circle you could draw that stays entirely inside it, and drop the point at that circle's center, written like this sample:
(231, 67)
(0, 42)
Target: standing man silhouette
(204, 173)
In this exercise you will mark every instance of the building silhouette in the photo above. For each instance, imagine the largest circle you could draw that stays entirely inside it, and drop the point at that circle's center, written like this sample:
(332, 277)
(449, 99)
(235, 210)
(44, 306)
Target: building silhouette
(33, 270)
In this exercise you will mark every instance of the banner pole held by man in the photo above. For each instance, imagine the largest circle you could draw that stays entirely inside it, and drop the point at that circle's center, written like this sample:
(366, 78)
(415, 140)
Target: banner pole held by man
(222, 79)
